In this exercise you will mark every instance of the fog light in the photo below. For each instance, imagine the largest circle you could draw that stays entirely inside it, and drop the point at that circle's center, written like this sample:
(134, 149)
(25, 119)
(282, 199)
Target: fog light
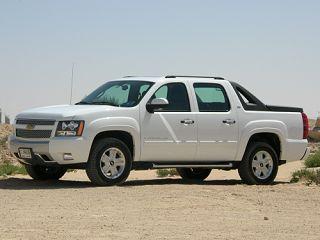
(67, 156)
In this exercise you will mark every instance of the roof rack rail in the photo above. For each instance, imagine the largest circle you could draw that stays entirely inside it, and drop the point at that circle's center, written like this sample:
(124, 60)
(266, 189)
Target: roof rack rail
(175, 76)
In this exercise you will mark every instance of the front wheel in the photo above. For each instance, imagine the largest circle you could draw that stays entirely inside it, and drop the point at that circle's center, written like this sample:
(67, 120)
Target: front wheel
(109, 163)
(259, 164)
(195, 174)
(45, 173)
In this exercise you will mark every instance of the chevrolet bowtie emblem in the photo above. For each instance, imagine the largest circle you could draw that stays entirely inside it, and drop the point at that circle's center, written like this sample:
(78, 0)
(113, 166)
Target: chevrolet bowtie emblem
(30, 126)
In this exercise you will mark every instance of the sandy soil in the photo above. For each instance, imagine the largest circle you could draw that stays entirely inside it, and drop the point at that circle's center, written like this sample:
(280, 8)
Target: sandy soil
(150, 208)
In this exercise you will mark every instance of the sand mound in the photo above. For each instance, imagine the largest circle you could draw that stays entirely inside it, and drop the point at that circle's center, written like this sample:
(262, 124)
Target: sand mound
(5, 155)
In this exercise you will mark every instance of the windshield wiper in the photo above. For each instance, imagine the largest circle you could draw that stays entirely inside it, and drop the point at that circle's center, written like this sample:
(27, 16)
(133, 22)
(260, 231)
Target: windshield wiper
(105, 103)
(96, 103)
(82, 103)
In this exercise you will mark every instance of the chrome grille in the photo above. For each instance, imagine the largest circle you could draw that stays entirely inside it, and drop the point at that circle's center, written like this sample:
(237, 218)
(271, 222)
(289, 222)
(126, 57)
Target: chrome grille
(23, 133)
(36, 122)
(34, 128)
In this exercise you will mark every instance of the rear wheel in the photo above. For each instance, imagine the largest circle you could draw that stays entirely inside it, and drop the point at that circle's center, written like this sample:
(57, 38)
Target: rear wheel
(109, 163)
(196, 174)
(259, 164)
(45, 173)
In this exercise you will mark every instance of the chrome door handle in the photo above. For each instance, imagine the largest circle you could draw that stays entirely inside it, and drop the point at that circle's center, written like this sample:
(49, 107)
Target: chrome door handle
(229, 121)
(187, 121)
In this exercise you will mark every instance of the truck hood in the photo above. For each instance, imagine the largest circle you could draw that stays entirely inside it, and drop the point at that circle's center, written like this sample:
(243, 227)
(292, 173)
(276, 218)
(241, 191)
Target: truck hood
(63, 111)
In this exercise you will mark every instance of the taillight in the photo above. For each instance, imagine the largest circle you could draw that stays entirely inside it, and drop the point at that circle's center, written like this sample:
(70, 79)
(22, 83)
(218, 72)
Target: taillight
(305, 125)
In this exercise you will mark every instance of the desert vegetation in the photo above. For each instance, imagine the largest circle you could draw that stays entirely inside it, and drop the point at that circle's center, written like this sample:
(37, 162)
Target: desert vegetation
(7, 169)
(8, 163)
(167, 172)
(310, 174)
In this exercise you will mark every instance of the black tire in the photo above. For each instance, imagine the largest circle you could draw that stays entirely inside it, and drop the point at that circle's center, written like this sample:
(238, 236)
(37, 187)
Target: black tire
(94, 169)
(45, 173)
(246, 171)
(194, 174)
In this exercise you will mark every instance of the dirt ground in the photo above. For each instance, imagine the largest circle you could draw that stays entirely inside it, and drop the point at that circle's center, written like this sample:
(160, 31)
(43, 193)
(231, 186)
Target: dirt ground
(147, 207)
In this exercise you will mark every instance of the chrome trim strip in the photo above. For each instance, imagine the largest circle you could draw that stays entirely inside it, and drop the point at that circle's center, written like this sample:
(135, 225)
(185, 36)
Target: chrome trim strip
(229, 165)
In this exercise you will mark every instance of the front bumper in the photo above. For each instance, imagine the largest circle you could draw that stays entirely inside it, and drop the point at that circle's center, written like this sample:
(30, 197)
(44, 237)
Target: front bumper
(41, 147)
(52, 151)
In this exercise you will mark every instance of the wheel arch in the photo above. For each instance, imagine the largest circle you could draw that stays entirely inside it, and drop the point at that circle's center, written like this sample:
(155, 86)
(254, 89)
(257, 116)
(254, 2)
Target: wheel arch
(121, 135)
(126, 129)
(272, 136)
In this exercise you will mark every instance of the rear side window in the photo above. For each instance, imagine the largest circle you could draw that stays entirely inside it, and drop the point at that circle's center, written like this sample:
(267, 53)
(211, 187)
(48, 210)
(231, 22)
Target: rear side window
(211, 97)
(177, 96)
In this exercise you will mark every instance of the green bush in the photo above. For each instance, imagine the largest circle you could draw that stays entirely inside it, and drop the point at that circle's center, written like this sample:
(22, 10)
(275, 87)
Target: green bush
(313, 161)
(167, 172)
(9, 169)
(306, 175)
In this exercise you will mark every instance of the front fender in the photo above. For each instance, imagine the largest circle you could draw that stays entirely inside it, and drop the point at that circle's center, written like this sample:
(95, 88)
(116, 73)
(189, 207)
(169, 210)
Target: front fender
(125, 124)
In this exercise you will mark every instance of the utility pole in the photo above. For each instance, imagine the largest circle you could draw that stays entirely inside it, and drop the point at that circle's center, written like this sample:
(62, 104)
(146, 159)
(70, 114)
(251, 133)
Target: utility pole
(71, 88)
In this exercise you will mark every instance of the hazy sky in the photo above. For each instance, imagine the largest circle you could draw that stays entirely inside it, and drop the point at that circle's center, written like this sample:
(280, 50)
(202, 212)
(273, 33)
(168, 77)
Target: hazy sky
(271, 47)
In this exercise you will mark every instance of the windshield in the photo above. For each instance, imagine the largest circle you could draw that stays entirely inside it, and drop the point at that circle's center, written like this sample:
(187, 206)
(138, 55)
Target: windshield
(118, 93)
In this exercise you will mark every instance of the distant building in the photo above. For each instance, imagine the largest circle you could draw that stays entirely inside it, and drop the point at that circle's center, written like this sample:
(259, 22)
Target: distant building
(317, 125)
(4, 118)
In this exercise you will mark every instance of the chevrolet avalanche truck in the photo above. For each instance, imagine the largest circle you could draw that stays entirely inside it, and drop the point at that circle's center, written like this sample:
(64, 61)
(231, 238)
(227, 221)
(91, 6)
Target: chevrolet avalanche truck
(191, 123)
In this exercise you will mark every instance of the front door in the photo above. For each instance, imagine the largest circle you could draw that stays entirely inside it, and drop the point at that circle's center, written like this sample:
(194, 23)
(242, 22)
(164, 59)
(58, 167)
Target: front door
(170, 133)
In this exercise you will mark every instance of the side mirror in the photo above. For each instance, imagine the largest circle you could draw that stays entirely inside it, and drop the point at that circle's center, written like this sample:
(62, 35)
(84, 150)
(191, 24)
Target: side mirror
(156, 103)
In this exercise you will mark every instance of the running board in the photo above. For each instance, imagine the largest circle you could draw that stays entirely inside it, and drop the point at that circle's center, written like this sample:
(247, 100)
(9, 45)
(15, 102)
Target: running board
(158, 166)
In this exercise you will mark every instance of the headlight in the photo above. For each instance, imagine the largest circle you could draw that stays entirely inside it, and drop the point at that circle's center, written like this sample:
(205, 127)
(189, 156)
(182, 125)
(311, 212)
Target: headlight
(70, 128)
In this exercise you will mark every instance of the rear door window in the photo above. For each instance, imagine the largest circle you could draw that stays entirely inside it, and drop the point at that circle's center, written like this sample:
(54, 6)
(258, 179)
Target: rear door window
(211, 97)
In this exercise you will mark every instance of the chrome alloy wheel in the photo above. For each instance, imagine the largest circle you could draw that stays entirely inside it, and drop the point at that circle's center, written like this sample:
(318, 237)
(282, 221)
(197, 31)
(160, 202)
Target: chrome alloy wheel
(262, 165)
(112, 163)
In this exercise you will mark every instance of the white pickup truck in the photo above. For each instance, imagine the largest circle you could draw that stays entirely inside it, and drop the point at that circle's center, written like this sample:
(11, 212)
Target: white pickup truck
(191, 123)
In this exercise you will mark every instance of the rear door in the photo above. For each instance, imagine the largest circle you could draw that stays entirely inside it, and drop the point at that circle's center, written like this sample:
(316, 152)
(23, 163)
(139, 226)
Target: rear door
(217, 123)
